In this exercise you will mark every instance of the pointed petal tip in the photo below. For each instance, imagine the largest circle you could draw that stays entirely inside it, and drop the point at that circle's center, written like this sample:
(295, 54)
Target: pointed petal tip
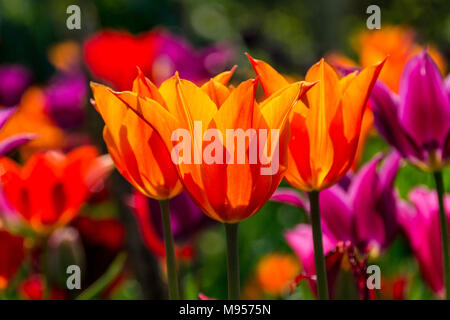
(232, 70)
(309, 85)
(253, 61)
(381, 63)
(177, 78)
(319, 63)
(93, 84)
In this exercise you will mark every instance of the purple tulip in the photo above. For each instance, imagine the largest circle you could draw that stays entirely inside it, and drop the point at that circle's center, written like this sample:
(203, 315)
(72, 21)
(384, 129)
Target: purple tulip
(66, 96)
(362, 213)
(419, 219)
(417, 121)
(14, 79)
(357, 213)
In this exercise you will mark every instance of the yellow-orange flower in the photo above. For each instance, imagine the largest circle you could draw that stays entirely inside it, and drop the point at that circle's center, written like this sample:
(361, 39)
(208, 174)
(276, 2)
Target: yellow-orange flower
(32, 118)
(275, 272)
(398, 43)
(65, 56)
(326, 126)
(227, 192)
(136, 149)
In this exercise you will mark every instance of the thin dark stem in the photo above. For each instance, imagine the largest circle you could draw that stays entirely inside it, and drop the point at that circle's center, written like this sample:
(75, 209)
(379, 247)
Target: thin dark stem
(170, 252)
(319, 258)
(231, 231)
(444, 231)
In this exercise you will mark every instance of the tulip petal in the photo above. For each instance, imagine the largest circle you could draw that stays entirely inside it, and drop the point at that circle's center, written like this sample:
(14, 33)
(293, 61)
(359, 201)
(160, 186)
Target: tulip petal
(323, 105)
(299, 173)
(421, 225)
(235, 113)
(5, 114)
(9, 144)
(290, 196)
(224, 77)
(271, 80)
(177, 92)
(364, 194)
(336, 214)
(301, 241)
(385, 110)
(446, 149)
(109, 108)
(237, 110)
(148, 169)
(12, 184)
(277, 107)
(345, 127)
(145, 88)
(48, 202)
(387, 204)
(355, 97)
(216, 91)
(152, 113)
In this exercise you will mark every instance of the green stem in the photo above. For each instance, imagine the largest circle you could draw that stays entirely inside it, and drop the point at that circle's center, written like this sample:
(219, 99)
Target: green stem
(105, 280)
(171, 264)
(319, 258)
(231, 230)
(444, 231)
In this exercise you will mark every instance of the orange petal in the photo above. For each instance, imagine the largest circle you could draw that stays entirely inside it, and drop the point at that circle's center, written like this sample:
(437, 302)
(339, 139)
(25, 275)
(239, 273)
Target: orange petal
(271, 80)
(355, 96)
(299, 173)
(144, 87)
(276, 108)
(237, 110)
(224, 77)
(110, 108)
(216, 91)
(152, 113)
(322, 100)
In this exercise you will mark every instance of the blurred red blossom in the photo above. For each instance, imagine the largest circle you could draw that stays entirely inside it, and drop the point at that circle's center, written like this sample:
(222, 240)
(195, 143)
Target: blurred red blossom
(114, 55)
(49, 190)
(106, 232)
(32, 288)
(12, 255)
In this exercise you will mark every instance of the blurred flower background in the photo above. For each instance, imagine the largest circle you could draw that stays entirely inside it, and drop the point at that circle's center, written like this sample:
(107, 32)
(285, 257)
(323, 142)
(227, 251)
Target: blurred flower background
(382, 212)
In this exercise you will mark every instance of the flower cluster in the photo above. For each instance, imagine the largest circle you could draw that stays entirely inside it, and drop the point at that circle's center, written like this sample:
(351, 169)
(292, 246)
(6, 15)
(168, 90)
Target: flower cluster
(199, 145)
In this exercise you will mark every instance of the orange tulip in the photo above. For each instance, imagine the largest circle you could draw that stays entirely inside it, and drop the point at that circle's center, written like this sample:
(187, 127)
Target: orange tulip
(137, 150)
(396, 42)
(49, 190)
(226, 190)
(275, 272)
(326, 126)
